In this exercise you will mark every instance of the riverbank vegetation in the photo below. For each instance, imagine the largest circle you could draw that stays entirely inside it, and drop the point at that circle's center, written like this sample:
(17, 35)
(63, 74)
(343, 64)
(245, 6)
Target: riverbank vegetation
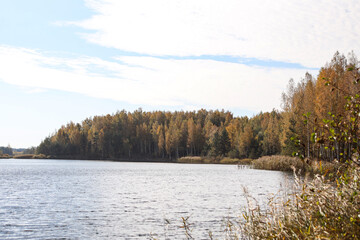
(214, 160)
(278, 162)
(9, 152)
(6, 152)
(30, 156)
(318, 209)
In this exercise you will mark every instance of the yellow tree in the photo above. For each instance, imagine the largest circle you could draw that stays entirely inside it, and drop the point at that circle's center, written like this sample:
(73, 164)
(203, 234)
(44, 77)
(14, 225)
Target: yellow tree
(191, 136)
(246, 141)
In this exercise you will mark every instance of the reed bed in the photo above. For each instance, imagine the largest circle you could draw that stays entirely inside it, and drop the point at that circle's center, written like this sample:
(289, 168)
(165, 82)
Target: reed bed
(245, 161)
(318, 209)
(30, 156)
(191, 159)
(214, 160)
(278, 162)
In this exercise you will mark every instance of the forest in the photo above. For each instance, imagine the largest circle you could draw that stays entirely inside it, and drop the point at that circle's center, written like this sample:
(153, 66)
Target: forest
(313, 114)
(6, 150)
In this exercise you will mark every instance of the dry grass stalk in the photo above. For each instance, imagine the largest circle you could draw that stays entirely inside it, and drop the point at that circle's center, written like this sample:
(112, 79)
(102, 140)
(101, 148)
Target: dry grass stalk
(278, 162)
(318, 209)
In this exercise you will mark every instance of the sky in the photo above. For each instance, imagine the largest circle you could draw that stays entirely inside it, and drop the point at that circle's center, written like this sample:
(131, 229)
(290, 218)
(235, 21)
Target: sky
(66, 60)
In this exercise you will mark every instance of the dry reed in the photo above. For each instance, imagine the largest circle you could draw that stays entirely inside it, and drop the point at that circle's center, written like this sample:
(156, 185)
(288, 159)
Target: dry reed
(278, 162)
(318, 209)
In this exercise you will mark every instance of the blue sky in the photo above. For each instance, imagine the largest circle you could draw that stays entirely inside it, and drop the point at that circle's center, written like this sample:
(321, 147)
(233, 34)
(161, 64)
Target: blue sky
(68, 60)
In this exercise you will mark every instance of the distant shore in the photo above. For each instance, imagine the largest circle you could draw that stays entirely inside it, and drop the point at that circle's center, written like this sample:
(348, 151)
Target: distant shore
(188, 159)
(275, 162)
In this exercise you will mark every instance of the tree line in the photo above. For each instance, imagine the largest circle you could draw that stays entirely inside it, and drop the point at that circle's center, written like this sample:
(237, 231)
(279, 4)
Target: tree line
(321, 116)
(6, 151)
(311, 116)
(170, 135)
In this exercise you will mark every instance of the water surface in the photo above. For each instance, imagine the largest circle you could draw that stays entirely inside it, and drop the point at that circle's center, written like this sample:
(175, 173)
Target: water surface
(52, 199)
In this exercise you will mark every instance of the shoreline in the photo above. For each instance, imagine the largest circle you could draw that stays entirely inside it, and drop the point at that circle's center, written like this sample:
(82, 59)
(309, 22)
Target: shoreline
(188, 159)
(272, 163)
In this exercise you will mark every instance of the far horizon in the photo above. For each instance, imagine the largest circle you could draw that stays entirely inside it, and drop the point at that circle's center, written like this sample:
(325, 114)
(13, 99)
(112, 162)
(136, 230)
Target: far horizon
(66, 60)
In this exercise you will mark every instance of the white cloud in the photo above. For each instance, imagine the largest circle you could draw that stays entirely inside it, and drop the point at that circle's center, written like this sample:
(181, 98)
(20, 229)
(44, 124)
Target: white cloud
(34, 90)
(306, 32)
(151, 81)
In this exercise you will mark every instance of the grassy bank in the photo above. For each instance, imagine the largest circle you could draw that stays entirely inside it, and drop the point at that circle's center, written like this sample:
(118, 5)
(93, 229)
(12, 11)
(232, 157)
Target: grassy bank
(275, 162)
(30, 156)
(210, 160)
(287, 163)
(278, 162)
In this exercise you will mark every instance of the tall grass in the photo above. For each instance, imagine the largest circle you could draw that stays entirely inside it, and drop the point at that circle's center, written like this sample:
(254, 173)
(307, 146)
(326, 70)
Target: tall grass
(191, 159)
(4, 156)
(278, 162)
(30, 156)
(318, 209)
(219, 160)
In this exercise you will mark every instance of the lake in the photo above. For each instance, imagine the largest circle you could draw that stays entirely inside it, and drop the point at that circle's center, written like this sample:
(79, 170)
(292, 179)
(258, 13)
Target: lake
(52, 199)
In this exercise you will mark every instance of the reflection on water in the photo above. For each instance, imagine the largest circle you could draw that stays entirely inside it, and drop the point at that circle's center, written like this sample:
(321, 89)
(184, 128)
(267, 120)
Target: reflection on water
(51, 199)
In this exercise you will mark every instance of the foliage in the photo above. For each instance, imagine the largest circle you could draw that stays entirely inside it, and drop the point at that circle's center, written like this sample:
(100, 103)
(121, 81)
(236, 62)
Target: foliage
(322, 208)
(315, 116)
(340, 131)
(6, 150)
(166, 135)
(30, 150)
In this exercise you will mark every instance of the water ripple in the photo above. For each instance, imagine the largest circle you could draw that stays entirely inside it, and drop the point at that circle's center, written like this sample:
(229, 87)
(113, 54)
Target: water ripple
(62, 199)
